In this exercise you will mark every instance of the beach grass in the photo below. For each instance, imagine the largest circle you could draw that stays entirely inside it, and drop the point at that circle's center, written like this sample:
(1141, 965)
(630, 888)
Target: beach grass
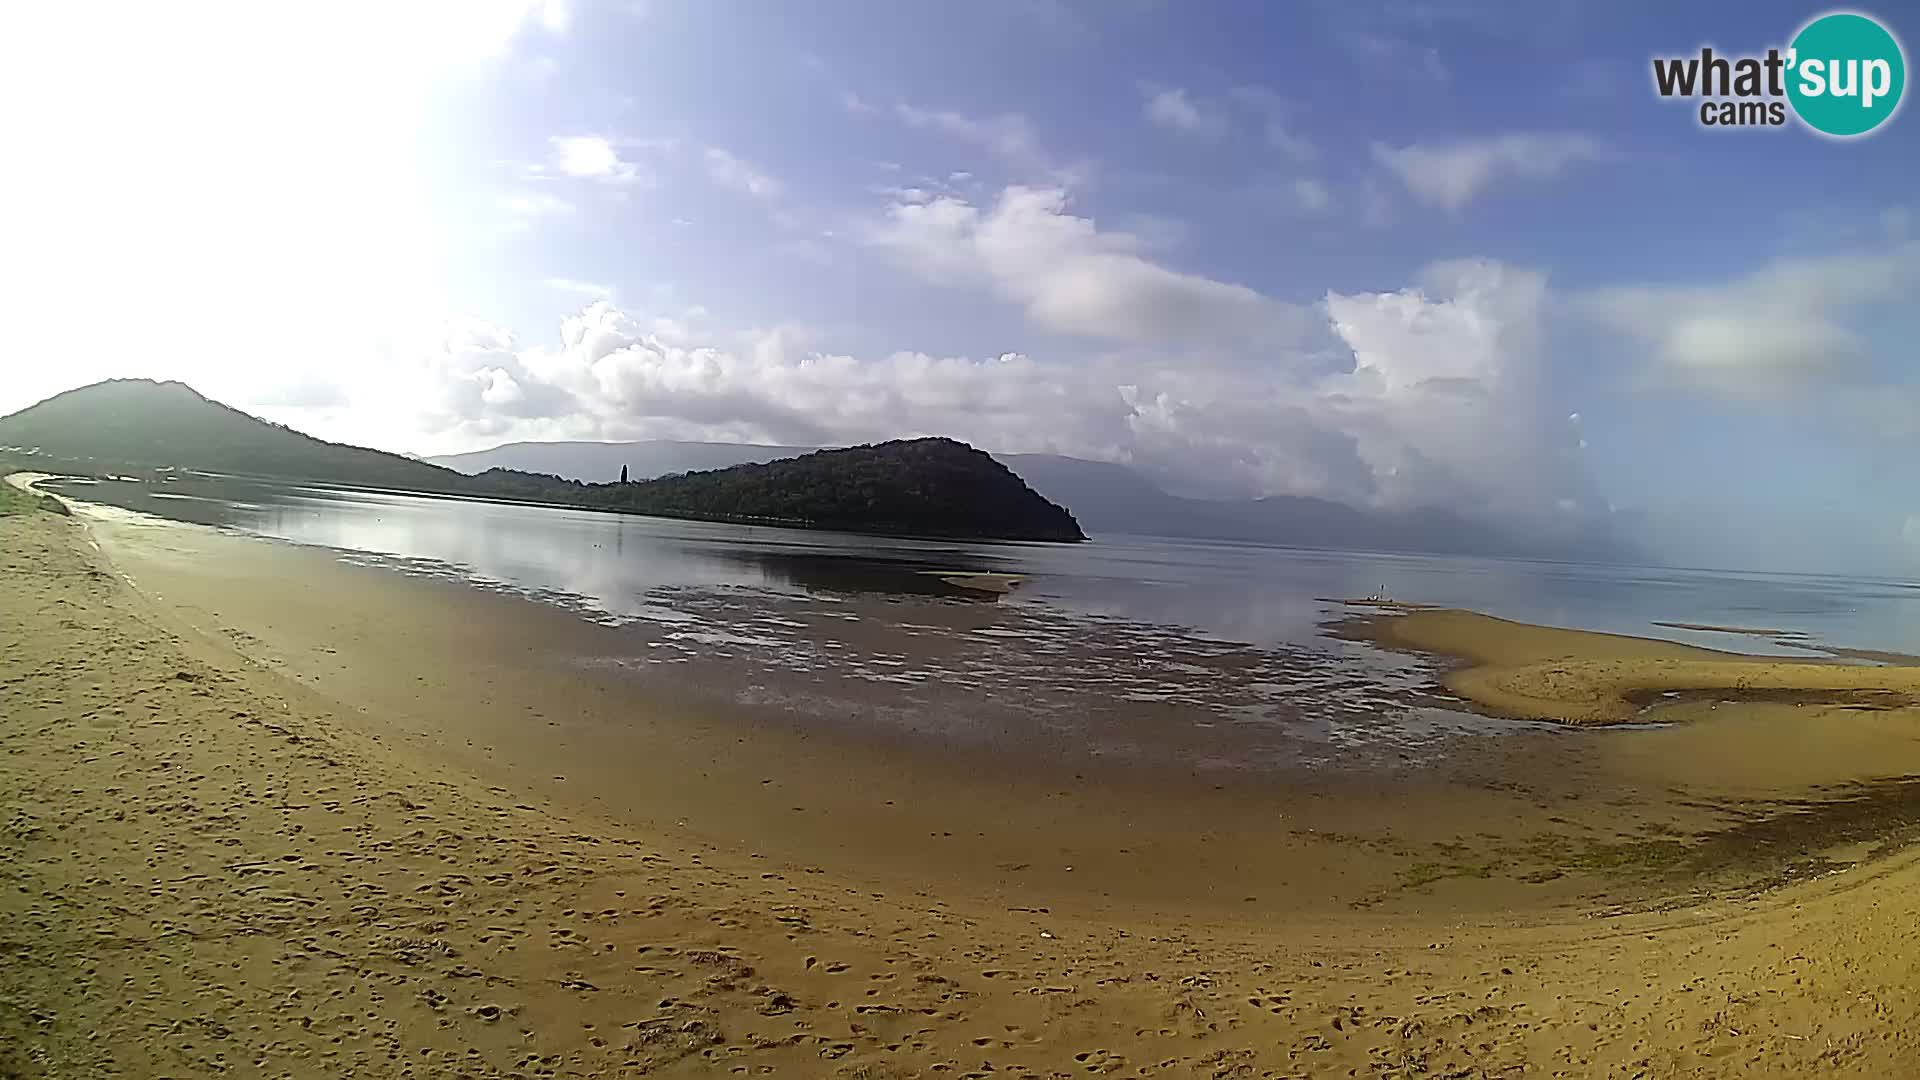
(16, 500)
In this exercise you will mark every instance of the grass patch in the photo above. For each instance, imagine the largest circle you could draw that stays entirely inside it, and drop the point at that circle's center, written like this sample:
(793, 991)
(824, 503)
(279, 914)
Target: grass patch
(1631, 855)
(15, 501)
(1427, 873)
(1626, 856)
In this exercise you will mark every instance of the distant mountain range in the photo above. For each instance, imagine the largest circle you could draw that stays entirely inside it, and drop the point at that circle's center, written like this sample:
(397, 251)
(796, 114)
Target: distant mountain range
(1106, 498)
(917, 487)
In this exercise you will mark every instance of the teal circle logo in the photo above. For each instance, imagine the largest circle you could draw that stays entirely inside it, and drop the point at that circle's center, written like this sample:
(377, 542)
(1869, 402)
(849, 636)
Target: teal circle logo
(1845, 74)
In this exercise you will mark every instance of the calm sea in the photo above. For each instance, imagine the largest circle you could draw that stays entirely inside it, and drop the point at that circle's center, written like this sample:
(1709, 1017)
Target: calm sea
(1130, 650)
(628, 566)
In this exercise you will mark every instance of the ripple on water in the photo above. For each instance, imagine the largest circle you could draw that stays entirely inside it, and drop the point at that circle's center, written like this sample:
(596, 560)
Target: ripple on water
(1097, 685)
(1094, 684)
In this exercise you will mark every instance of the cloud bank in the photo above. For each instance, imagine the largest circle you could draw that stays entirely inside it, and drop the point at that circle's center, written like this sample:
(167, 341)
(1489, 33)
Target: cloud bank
(1424, 396)
(1780, 329)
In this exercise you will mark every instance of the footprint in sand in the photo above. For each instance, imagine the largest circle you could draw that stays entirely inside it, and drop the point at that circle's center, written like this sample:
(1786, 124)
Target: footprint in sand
(1100, 1060)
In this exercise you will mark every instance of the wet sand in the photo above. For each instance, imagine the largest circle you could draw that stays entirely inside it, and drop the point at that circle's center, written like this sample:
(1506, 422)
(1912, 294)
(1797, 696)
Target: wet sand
(266, 812)
(495, 684)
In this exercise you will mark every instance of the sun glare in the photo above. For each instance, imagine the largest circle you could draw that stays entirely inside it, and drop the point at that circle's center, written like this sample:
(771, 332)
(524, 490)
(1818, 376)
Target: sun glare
(247, 182)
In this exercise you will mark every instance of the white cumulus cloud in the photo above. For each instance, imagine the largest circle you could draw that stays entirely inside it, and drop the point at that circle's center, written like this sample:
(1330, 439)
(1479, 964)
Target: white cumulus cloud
(592, 157)
(1786, 325)
(737, 174)
(1175, 110)
(1452, 174)
(592, 290)
(1311, 196)
(1276, 115)
(1066, 273)
(1444, 393)
(1009, 137)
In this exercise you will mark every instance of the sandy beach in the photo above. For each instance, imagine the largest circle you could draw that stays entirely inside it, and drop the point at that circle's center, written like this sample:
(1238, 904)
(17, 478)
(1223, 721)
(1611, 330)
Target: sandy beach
(269, 814)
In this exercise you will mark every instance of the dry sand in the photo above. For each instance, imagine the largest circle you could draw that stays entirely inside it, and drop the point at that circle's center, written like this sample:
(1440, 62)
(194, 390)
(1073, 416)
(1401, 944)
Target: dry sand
(213, 865)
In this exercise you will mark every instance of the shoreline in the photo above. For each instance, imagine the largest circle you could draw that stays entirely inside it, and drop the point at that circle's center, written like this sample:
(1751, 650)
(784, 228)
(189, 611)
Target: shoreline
(221, 862)
(490, 682)
(528, 695)
(786, 524)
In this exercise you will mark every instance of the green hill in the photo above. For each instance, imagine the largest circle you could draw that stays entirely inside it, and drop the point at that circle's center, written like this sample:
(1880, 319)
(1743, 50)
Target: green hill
(923, 487)
(919, 487)
(127, 423)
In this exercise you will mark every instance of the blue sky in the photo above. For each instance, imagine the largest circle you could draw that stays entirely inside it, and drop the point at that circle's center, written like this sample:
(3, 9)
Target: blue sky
(1397, 253)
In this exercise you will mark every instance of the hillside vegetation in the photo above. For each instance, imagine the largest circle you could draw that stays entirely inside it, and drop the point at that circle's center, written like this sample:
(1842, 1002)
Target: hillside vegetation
(140, 423)
(919, 487)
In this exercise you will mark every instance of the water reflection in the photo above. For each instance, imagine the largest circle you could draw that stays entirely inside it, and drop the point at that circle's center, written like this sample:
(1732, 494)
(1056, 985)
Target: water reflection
(1237, 592)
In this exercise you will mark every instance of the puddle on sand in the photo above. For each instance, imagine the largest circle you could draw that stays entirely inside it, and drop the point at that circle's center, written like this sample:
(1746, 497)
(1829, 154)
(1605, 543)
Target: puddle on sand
(1096, 686)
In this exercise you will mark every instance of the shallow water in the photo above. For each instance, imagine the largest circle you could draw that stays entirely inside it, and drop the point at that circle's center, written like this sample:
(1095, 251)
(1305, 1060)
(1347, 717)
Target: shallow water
(1202, 656)
(1026, 723)
(618, 564)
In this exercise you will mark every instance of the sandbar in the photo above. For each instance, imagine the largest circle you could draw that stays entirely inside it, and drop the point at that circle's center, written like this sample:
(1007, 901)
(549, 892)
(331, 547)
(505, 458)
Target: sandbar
(1579, 677)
